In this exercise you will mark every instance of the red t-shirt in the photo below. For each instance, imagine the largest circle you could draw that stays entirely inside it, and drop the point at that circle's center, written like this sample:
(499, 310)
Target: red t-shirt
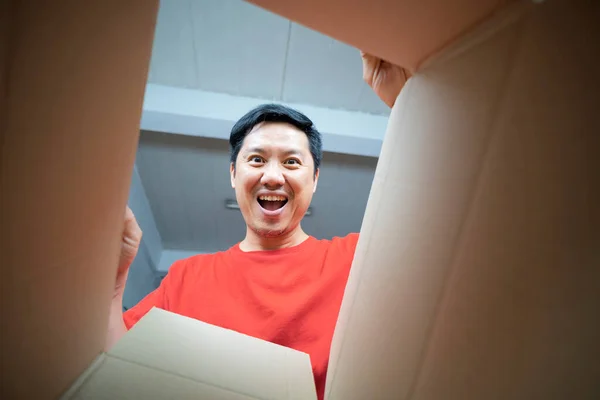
(291, 296)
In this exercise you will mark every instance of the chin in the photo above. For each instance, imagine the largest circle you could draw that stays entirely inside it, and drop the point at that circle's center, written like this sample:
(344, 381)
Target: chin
(271, 232)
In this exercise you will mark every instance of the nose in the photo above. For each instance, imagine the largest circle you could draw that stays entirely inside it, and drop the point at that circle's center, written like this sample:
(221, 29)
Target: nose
(272, 175)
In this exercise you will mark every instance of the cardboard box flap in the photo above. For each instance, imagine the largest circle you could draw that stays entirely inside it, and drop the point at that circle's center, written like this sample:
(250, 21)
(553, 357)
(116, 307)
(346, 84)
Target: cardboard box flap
(73, 78)
(403, 32)
(216, 356)
(114, 378)
(477, 272)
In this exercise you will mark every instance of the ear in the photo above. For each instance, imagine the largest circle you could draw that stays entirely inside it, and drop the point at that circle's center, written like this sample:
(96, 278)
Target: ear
(316, 180)
(232, 174)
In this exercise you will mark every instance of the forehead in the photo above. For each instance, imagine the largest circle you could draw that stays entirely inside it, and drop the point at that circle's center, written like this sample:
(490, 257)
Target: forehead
(276, 136)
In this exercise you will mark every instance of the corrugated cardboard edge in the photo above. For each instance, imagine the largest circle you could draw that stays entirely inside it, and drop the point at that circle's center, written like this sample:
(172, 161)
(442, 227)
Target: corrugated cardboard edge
(83, 378)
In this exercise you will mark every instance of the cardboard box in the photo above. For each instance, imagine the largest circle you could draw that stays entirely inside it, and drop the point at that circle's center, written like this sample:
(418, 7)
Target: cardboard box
(72, 76)
(166, 355)
(401, 31)
(477, 274)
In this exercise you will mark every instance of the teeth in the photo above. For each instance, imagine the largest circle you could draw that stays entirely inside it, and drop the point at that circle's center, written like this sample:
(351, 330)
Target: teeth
(272, 198)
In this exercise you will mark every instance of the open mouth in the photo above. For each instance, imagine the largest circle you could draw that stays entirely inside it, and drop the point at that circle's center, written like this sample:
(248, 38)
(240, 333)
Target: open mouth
(272, 203)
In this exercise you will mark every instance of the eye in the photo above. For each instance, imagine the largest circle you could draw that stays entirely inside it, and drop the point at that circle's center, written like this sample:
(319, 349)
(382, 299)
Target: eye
(292, 161)
(256, 159)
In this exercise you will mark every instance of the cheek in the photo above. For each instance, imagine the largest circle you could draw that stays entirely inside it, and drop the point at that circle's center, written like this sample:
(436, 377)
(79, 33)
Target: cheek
(303, 189)
(245, 182)
(248, 186)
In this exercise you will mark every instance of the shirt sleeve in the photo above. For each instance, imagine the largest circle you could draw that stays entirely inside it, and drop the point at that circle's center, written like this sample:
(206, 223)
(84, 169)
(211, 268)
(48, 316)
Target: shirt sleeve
(158, 298)
(346, 247)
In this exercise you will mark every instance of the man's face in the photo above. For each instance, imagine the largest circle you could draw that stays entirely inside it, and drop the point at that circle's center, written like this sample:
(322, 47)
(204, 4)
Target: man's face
(274, 178)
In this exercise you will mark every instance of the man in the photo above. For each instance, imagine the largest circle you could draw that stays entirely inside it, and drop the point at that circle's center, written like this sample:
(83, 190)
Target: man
(278, 284)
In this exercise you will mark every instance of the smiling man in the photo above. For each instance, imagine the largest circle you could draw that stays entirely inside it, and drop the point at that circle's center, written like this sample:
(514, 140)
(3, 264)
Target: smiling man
(275, 158)
(278, 284)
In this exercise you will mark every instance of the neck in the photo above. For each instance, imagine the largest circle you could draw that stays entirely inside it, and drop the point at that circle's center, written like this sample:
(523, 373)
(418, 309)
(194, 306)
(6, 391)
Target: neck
(255, 242)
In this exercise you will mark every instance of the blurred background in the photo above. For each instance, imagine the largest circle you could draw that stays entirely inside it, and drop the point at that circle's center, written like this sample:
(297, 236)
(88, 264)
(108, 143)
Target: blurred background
(212, 62)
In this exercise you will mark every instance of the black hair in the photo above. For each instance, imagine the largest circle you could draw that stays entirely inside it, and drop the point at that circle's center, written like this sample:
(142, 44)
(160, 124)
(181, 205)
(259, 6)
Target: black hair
(276, 113)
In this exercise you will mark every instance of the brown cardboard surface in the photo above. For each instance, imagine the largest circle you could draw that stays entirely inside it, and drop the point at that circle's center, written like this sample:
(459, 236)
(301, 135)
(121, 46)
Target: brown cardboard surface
(477, 274)
(419, 198)
(220, 357)
(124, 380)
(404, 32)
(5, 34)
(75, 75)
(168, 355)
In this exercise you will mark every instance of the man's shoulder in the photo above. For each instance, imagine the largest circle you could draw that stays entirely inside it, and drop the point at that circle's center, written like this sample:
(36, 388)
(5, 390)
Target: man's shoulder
(339, 252)
(349, 238)
(345, 243)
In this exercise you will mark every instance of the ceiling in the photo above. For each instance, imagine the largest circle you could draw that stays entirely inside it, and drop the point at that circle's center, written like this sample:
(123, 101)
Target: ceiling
(186, 180)
(230, 46)
(234, 48)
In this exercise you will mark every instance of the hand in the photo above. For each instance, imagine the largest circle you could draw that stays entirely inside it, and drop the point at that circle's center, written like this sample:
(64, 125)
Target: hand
(130, 243)
(385, 78)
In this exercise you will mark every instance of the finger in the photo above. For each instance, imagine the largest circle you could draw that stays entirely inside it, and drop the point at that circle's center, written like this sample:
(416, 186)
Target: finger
(371, 65)
(368, 59)
(128, 213)
(131, 229)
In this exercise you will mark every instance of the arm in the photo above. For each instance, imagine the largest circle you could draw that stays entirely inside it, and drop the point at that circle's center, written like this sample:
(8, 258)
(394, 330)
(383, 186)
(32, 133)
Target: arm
(116, 325)
(132, 236)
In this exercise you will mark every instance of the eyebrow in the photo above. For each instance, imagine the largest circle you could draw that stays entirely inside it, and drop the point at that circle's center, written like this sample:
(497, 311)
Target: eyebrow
(255, 150)
(261, 150)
